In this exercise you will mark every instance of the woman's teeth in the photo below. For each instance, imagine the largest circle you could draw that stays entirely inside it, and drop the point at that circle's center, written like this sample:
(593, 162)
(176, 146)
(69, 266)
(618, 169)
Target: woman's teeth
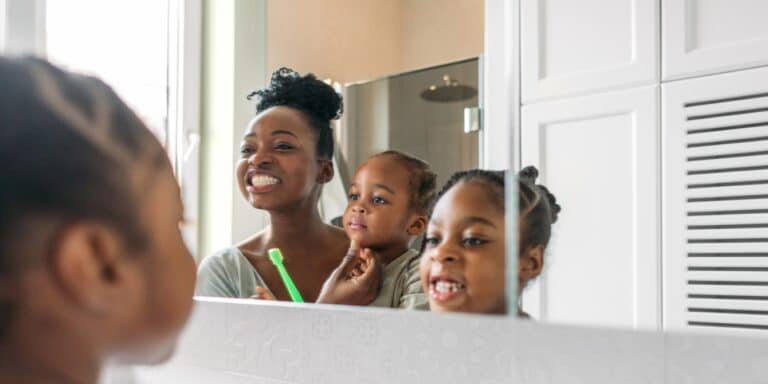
(261, 180)
(448, 287)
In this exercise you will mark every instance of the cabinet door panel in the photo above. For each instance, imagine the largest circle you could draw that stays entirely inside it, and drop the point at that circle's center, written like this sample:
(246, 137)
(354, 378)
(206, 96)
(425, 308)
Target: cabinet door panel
(573, 47)
(599, 156)
(709, 36)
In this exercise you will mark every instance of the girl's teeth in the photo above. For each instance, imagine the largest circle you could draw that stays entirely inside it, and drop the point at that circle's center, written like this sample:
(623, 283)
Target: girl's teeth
(260, 180)
(447, 287)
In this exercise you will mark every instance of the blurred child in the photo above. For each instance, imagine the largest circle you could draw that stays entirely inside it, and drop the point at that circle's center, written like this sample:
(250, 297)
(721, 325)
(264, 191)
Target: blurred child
(92, 264)
(388, 207)
(463, 262)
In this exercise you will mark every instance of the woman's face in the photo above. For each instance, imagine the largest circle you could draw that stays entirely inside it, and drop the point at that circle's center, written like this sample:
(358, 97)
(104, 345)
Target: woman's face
(463, 264)
(278, 164)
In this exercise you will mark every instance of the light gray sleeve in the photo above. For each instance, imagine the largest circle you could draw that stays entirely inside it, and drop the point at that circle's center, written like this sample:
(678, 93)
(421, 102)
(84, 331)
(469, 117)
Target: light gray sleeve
(413, 294)
(216, 277)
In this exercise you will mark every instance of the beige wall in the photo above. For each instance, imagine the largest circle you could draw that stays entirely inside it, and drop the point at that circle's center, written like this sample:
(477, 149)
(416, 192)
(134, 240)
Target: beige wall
(440, 31)
(347, 40)
(356, 40)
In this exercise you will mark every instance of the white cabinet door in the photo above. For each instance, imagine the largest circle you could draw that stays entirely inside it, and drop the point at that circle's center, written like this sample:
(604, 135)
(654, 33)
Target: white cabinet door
(715, 213)
(572, 47)
(599, 155)
(708, 36)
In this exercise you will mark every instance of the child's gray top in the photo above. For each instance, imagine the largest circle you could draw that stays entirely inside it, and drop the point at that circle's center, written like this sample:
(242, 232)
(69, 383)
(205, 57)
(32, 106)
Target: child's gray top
(229, 274)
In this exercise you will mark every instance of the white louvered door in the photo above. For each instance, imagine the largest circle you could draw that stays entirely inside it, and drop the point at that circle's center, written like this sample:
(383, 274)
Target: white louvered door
(715, 203)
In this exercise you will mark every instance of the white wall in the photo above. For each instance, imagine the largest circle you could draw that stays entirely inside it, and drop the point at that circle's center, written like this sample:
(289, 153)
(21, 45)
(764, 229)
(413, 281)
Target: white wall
(233, 66)
(285, 343)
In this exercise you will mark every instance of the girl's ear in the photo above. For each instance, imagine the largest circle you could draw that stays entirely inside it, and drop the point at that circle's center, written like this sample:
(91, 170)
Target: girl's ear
(88, 266)
(326, 171)
(531, 263)
(417, 226)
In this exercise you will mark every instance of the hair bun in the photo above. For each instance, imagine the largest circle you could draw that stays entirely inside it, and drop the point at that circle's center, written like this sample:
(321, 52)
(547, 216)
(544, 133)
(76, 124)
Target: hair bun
(554, 207)
(528, 175)
(307, 93)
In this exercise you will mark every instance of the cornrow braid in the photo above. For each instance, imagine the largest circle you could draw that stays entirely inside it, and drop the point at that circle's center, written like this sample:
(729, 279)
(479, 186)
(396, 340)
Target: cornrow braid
(422, 180)
(538, 208)
(71, 150)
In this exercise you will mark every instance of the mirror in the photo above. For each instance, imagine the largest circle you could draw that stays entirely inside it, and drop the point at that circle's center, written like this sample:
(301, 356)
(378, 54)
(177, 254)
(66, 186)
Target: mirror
(412, 84)
(628, 249)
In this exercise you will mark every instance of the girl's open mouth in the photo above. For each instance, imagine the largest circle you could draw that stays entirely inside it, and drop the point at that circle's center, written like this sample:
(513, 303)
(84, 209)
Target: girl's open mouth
(444, 289)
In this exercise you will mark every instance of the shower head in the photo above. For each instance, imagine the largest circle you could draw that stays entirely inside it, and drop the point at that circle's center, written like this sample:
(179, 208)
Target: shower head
(450, 91)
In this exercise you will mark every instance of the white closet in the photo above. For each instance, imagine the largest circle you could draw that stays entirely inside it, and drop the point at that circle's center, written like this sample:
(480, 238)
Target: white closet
(716, 201)
(649, 121)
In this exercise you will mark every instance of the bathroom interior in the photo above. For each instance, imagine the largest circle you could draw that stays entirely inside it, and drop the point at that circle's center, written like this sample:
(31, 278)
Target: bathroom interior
(648, 118)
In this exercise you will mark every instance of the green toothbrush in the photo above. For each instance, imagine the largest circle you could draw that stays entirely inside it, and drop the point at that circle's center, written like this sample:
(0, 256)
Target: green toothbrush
(277, 259)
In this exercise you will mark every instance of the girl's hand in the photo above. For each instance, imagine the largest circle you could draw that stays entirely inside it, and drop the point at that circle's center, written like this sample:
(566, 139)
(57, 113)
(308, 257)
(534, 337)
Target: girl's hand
(355, 282)
(263, 294)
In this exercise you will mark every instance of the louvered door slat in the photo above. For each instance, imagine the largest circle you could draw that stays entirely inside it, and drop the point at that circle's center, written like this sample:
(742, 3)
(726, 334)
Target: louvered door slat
(730, 220)
(728, 305)
(758, 278)
(729, 290)
(726, 107)
(758, 248)
(721, 137)
(728, 150)
(723, 206)
(729, 318)
(716, 202)
(727, 262)
(756, 234)
(697, 181)
(727, 193)
(729, 121)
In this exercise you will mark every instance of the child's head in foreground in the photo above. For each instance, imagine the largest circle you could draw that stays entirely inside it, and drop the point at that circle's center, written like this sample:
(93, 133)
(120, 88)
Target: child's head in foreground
(92, 263)
(389, 200)
(463, 261)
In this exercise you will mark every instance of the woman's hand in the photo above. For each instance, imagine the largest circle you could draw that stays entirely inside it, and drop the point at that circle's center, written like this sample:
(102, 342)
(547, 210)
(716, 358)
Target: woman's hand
(356, 281)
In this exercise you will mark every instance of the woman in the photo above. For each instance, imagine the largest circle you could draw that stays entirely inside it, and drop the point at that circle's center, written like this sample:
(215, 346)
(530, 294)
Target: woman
(286, 157)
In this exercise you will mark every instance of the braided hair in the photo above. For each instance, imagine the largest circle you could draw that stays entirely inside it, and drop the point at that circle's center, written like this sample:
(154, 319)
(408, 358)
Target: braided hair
(318, 102)
(538, 208)
(71, 150)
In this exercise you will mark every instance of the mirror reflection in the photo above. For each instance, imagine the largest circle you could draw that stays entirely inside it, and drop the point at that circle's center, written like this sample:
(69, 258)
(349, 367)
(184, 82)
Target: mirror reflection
(353, 152)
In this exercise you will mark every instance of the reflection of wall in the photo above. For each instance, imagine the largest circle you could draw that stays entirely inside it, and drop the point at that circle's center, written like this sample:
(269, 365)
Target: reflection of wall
(439, 31)
(355, 40)
(368, 107)
(390, 114)
(347, 40)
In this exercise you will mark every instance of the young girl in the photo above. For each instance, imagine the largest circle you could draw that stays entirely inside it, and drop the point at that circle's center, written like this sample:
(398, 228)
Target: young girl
(463, 262)
(92, 264)
(389, 199)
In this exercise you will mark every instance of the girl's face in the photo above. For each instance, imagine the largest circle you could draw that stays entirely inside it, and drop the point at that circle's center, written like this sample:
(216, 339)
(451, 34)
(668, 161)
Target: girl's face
(278, 163)
(463, 264)
(165, 273)
(379, 210)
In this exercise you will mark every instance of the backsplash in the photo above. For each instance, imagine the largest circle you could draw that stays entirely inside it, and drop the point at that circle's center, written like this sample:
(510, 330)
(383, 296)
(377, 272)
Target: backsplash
(285, 343)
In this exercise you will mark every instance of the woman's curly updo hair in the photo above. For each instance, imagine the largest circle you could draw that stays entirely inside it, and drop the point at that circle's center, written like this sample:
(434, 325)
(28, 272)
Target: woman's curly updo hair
(538, 208)
(317, 101)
